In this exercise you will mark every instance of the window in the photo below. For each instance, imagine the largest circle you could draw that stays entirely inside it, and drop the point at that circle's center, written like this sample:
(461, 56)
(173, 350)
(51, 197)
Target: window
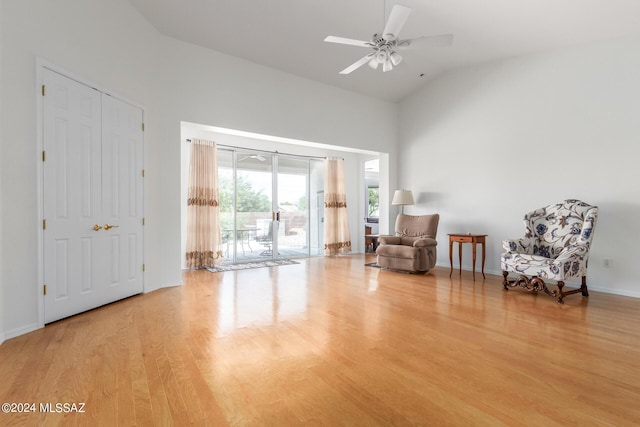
(372, 192)
(373, 203)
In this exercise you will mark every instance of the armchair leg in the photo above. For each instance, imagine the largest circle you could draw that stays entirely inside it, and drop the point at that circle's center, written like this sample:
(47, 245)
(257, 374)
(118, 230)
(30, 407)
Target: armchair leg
(583, 287)
(560, 294)
(535, 284)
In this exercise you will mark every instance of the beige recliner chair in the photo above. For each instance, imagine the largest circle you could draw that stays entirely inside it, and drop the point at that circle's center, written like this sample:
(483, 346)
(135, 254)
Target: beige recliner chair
(413, 248)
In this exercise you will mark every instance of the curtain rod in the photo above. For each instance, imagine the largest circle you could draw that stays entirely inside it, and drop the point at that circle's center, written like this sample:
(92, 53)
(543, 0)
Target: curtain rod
(231, 147)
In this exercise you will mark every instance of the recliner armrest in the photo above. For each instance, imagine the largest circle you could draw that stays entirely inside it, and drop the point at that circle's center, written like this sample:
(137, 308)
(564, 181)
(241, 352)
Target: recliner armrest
(388, 240)
(424, 242)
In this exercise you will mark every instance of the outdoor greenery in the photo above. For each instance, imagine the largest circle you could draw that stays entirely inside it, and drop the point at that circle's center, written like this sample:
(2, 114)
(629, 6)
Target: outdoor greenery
(252, 203)
(374, 202)
(249, 200)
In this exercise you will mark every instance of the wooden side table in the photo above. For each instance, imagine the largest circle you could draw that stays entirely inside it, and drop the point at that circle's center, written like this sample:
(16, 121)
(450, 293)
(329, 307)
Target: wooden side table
(374, 241)
(474, 239)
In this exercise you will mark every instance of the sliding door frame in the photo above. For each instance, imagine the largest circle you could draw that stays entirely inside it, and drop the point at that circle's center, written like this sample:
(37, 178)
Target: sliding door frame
(274, 156)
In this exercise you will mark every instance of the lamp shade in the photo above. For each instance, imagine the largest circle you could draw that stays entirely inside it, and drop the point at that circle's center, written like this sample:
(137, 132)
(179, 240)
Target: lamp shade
(402, 197)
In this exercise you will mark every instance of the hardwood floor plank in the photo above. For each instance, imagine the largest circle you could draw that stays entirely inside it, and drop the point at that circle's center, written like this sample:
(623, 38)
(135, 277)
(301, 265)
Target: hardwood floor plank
(142, 411)
(332, 342)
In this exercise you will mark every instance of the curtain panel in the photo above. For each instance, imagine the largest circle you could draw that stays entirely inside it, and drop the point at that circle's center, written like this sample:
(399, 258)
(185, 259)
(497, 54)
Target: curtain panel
(204, 242)
(337, 239)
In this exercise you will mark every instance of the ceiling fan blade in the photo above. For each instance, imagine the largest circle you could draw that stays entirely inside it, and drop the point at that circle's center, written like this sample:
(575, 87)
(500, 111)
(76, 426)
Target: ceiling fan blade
(352, 42)
(442, 40)
(397, 18)
(359, 63)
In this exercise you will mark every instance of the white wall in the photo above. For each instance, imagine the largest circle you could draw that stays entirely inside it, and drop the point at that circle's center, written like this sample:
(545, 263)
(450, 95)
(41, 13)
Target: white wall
(1, 198)
(109, 43)
(104, 42)
(484, 145)
(218, 90)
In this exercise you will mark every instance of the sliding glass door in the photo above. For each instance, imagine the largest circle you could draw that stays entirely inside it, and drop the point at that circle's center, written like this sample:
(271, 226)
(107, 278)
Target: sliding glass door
(293, 202)
(265, 205)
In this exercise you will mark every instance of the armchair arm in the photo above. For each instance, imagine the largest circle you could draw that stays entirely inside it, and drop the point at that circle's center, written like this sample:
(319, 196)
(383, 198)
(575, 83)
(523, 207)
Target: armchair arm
(522, 245)
(424, 242)
(578, 250)
(388, 240)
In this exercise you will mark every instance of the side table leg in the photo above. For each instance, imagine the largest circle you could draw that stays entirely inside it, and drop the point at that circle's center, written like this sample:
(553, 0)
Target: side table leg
(460, 256)
(451, 256)
(484, 256)
(474, 260)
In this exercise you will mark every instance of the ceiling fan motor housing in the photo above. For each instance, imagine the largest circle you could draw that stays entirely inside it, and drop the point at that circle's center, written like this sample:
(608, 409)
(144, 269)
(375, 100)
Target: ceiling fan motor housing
(379, 41)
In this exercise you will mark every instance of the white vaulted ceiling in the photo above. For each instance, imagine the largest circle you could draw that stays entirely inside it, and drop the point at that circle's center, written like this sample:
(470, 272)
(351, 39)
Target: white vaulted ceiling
(288, 34)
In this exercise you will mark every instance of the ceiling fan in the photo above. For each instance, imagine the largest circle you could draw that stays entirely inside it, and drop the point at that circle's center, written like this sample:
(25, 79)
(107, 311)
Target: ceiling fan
(384, 45)
(254, 156)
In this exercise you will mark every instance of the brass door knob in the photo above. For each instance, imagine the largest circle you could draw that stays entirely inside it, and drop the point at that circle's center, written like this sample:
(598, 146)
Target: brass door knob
(109, 226)
(96, 228)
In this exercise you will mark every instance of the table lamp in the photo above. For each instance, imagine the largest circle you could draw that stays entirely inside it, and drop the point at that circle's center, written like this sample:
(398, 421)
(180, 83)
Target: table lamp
(402, 198)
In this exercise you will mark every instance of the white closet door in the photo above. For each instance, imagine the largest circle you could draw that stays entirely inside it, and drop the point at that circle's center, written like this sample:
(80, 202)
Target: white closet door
(87, 186)
(122, 160)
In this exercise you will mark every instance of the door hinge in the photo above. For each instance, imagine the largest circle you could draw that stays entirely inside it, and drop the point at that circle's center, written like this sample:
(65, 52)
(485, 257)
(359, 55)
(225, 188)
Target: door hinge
(142, 221)
(142, 126)
(143, 268)
(44, 224)
(45, 289)
(44, 155)
(143, 173)
(44, 90)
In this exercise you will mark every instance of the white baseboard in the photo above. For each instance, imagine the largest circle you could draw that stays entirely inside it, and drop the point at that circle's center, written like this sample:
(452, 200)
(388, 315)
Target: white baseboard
(34, 326)
(166, 285)
(621, 292)
(21, 331)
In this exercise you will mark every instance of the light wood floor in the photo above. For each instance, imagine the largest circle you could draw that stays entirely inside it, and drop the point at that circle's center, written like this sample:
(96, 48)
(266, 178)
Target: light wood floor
(332, 342)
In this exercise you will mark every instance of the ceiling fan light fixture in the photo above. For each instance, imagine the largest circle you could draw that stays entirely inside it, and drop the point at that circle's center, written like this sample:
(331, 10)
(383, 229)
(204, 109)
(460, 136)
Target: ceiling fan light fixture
(387, 66)
(395, 58)
(374, 63)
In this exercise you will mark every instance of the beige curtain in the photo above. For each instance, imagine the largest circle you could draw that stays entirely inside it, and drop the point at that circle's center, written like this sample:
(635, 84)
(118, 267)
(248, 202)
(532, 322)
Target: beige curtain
(337, 239)
(204, 244)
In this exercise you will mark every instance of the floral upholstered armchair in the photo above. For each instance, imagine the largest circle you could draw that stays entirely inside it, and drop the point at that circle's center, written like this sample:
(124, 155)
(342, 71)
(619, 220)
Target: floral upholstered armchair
(555, 247)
